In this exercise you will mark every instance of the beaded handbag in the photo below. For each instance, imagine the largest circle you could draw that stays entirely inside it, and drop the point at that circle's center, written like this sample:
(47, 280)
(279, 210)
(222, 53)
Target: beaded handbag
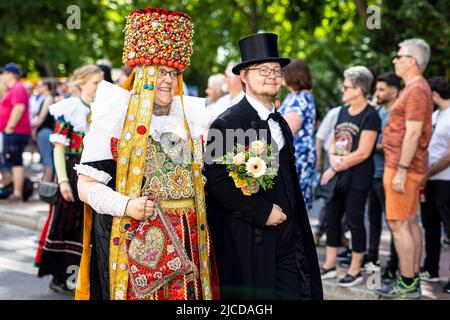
(155, 254)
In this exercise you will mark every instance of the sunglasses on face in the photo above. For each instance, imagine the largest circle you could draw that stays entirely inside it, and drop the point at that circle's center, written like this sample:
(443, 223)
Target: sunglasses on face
(399, 56)
(344, 87)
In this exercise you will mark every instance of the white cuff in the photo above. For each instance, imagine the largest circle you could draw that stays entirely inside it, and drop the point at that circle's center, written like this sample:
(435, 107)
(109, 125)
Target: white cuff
(105, 200)
(59, 138)
(99, 175)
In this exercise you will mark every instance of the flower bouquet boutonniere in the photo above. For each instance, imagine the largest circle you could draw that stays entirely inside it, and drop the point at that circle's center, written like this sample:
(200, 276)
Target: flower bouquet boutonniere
(251, 167)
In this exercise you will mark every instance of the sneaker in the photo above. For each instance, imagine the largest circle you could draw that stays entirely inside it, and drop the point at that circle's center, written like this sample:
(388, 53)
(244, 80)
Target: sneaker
(328, 273)
(389, 276)
(366, 265)
(350, 281)
(371, 267)
(446, 288)
(344, 255)
(428, 277)
(418, 283)
(398, 289)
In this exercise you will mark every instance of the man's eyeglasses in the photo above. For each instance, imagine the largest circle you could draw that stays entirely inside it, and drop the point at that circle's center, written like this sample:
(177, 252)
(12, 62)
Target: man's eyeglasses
(265, 72)
(173, 74)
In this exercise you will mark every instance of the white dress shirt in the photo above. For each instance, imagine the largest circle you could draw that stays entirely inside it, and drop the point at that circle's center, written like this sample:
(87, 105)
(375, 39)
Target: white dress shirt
(264, 113)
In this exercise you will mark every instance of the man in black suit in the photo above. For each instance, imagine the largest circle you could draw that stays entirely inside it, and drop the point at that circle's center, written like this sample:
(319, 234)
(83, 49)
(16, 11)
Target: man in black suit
(263, 243)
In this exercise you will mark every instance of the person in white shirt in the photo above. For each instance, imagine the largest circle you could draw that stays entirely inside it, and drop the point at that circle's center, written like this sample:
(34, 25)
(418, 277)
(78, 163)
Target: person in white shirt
(324, 134)
(235, 93)
(436, 209)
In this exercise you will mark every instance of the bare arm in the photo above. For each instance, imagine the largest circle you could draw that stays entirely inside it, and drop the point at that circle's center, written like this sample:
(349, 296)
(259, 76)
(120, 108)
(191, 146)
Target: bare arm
(442, 164)
(332, 147)
(44, 111)
(294, 121)
(410, 141)
(319, 148)
(16, 115)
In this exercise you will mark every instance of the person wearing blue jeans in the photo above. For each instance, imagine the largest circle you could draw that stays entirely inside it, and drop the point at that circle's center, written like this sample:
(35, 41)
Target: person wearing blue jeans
(43, 127)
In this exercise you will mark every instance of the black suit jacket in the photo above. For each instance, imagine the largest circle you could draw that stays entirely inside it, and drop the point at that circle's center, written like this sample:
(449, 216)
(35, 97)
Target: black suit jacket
(245, 248)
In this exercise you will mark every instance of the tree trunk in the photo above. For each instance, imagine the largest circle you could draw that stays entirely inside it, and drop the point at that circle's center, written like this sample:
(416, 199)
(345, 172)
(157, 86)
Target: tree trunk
(255, 22)
(361, 7)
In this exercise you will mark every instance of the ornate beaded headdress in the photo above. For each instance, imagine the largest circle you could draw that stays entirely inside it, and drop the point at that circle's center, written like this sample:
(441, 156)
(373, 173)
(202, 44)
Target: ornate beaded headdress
(155, 36)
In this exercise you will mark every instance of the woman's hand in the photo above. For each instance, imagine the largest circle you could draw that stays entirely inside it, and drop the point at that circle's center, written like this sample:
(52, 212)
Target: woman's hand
(340, 166)
(334, 160)
(66, 191)
(140, 208)
(327, 176)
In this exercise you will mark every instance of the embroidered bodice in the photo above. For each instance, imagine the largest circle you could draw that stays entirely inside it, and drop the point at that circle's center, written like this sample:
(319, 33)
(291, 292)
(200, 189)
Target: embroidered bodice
(168, 174)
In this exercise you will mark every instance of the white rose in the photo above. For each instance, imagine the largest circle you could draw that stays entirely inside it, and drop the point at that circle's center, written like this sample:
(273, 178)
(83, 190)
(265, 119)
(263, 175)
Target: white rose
(239, 159)
(256, 167)
(258, 147)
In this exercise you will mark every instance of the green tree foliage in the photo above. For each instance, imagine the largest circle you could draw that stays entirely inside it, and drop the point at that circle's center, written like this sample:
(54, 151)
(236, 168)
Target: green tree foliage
(330, 35)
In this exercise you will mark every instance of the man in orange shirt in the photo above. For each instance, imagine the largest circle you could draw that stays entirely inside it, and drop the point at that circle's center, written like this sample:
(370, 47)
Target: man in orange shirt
(405, 141)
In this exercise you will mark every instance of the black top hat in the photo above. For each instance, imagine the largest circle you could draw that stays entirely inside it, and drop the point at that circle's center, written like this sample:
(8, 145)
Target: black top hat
(259, 48)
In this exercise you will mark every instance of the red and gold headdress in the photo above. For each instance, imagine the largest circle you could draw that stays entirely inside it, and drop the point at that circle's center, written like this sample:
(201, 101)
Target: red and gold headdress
(155, 36)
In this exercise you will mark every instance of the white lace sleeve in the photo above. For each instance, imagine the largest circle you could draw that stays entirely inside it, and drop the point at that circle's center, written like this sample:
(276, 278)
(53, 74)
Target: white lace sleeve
(93, 173)
(59, 138)
(105, 200)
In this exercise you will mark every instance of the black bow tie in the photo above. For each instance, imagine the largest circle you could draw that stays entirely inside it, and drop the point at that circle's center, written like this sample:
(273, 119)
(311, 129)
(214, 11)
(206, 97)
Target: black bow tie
(276, 116)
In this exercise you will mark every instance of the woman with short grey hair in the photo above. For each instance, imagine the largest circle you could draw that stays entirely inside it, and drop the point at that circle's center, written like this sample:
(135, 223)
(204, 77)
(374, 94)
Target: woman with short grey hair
(360, 77)
(349, 177)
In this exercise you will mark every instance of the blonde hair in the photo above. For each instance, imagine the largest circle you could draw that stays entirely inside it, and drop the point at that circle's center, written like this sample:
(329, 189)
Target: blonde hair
(84, 73)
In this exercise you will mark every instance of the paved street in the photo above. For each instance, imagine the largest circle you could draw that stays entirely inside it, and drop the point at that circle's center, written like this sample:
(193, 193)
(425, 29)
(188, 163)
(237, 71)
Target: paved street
(18, 245)
(18, 279)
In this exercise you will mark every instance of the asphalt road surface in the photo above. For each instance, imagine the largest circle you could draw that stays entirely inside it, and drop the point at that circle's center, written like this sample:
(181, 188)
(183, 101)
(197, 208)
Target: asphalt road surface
(18, 276)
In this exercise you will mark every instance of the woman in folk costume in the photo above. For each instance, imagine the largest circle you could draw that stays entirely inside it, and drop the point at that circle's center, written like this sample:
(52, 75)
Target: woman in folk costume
(61, 240)
(145, 231)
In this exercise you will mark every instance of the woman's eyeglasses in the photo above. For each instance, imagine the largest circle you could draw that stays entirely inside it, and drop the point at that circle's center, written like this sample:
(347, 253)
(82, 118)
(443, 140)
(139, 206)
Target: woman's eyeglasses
(173, 74)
